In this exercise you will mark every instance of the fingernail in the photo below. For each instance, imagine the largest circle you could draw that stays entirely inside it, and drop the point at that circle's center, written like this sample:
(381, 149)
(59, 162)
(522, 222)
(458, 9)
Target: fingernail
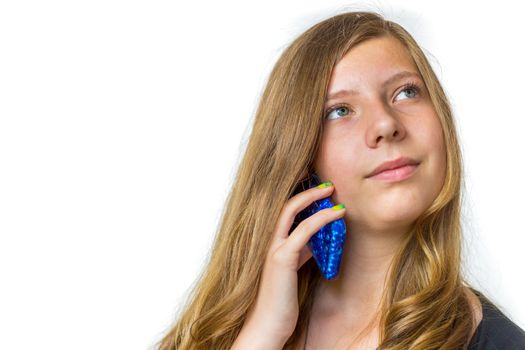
(325, 184)
(338, 207)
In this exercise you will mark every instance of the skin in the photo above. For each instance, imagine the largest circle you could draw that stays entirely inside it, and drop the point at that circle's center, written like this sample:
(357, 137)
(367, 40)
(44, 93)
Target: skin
(381, 123)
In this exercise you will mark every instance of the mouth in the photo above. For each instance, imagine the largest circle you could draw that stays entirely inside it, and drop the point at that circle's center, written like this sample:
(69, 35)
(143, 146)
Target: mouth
(397, 174)
(395, 170)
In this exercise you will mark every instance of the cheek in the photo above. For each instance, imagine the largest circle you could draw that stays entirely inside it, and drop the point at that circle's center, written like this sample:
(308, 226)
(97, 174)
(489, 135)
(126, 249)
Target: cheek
(337, 159)
(432, 143)
(441, 160)
(427, 133)
(435, 141)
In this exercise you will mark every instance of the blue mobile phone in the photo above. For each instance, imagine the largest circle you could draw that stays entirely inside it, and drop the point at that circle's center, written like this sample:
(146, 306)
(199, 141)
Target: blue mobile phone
(327, 244)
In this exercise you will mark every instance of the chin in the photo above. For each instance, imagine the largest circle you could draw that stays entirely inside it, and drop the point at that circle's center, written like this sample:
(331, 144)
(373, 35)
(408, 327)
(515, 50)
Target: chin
(398, 212)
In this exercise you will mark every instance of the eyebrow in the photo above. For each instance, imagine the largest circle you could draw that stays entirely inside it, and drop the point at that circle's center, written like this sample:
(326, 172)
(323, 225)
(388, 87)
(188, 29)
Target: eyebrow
(395, 77)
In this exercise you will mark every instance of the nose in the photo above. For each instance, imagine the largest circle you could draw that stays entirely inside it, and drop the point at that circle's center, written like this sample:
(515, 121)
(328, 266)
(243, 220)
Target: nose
(385, 126)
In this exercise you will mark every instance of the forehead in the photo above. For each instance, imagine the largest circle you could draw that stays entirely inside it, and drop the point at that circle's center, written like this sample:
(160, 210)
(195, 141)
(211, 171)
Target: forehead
(371, 62)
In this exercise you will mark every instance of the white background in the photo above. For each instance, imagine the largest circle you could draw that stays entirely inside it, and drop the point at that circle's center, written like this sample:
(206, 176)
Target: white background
(122, 124)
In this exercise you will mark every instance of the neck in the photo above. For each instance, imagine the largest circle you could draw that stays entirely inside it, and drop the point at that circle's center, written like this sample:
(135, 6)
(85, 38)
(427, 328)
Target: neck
(367, 256)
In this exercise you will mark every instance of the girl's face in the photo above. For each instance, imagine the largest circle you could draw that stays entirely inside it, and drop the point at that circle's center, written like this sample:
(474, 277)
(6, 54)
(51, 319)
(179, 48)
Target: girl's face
(381, 121)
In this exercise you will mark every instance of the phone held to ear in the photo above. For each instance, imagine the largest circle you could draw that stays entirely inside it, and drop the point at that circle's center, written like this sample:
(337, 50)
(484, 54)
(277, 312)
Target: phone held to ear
(327, 244)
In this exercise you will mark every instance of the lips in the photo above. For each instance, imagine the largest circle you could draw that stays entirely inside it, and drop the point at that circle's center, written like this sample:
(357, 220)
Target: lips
(393, 164)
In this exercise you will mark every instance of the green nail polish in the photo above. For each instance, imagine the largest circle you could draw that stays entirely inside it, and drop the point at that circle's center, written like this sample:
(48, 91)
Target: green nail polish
(325, 184)
(338, 207)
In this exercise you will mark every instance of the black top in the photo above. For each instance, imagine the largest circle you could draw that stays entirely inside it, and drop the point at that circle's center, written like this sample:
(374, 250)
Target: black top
(495, 330)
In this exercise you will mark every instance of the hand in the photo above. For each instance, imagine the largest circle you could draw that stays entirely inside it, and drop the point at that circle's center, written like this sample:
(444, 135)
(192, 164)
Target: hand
(276, 309)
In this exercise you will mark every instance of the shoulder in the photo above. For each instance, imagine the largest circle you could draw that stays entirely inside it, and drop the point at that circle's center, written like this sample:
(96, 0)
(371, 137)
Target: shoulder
(477, 308)
(495, 331)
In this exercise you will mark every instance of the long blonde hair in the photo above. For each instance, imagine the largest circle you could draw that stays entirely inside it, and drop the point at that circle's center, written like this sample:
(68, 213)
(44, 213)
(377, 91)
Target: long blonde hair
(424, 304)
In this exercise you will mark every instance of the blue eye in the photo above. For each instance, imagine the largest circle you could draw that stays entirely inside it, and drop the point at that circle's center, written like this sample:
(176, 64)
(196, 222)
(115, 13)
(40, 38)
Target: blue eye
(411, 86)
(334, 109)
